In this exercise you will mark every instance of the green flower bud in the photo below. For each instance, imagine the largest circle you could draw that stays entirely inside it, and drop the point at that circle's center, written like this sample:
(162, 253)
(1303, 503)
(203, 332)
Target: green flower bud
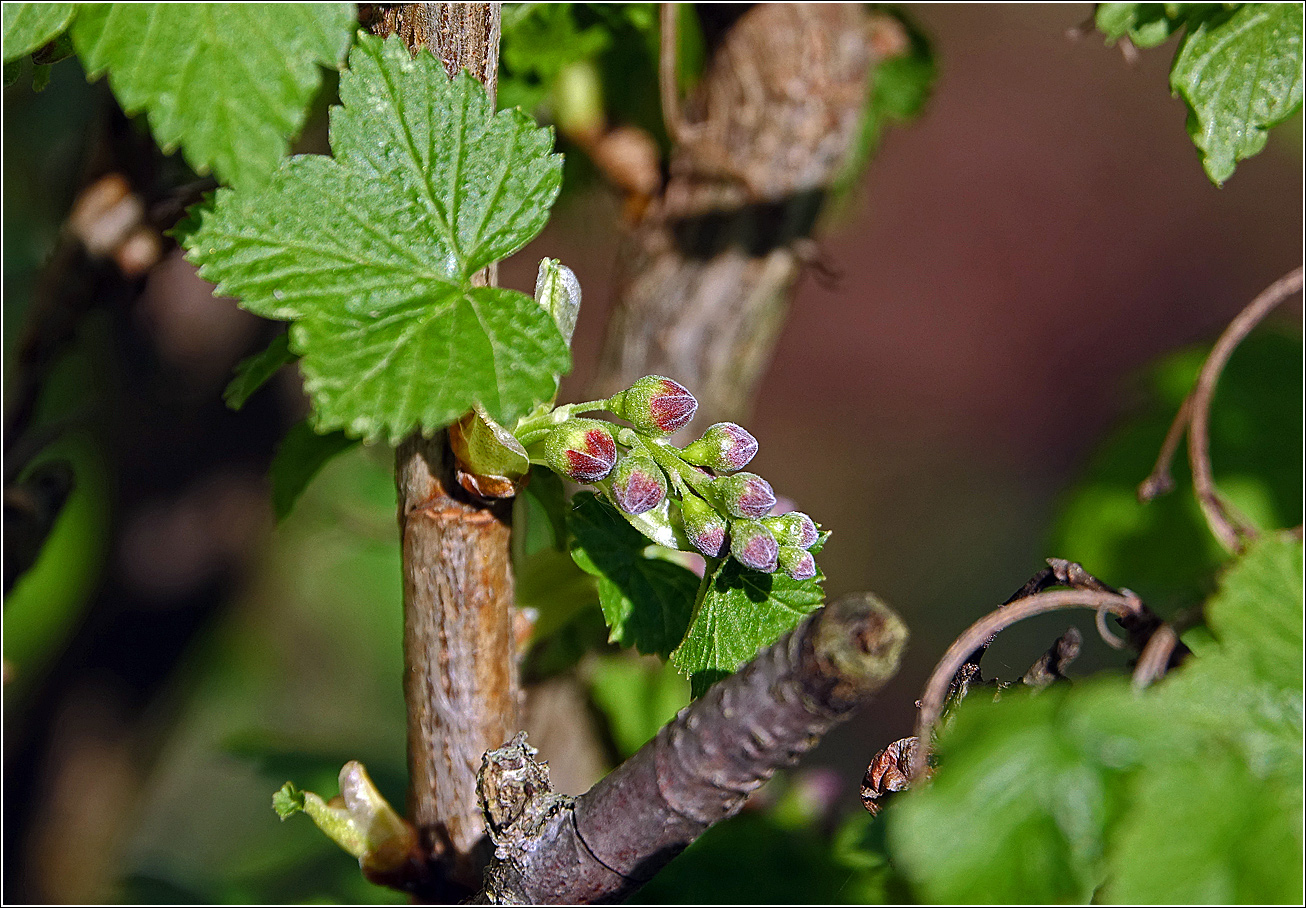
(795, 529)
(743, 495)
(753, 546)
(581, 449)
(705, 528)
(638, 484)
(796, 562)
(655, 404)
(724, 447)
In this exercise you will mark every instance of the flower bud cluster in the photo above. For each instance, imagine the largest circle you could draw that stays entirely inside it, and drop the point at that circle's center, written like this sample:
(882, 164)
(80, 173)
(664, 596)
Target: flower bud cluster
(722, 511)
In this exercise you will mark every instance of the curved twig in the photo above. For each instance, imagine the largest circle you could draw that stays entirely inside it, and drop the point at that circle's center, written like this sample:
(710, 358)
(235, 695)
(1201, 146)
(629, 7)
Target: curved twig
(1229, 527)
(1156, 656)
(1122, 605)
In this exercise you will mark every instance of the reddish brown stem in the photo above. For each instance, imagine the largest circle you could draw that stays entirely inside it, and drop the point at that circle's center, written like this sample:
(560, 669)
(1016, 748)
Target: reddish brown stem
(1122, 605)
(1229, 527)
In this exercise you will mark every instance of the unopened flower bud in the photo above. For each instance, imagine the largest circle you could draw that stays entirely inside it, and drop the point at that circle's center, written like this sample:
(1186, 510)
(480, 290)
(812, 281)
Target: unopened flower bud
(581, 449)
(655, 404)
(795, 529)
(705, 528)
(797, 563)
(724, 447)
(744, 495)
(753, 546)
(638, 484)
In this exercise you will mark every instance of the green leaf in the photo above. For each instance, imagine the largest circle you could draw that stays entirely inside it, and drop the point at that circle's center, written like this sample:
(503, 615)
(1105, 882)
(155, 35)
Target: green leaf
(254, 371)
(228, 82)
(427, 187)
(646, 601)
(287, 800)
(30, 26)
(1240, 73)
(742, 611)
(302, 453)
(1236, 842)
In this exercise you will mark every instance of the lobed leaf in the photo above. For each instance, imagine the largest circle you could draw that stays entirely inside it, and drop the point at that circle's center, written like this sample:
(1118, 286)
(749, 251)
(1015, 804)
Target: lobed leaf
(30, 26)
(372, 253)
(230, 83)
(743, 610)
(646, 601)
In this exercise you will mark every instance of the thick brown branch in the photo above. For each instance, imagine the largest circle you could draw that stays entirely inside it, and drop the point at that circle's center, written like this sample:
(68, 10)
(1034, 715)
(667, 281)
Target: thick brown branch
(714, 260)
(460, 681)
(698, 770)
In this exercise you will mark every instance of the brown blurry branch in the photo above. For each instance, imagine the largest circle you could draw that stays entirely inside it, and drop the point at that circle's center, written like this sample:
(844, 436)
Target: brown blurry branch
(460, 675)
(1228, 526)
(699, 769)
(713, 261)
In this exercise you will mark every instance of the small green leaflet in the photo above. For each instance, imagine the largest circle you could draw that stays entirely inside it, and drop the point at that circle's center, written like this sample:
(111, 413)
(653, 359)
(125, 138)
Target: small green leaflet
(646, 601)
(742, 611)
(372, 252)
(228, 82)
(254, 371)
(1145, 24)
(30, 26)
(1241, 73)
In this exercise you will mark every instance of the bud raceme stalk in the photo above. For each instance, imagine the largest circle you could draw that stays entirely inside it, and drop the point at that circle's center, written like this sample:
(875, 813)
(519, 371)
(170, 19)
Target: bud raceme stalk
(725, 447)
(655, 404)
(638, 484)
(581, 449)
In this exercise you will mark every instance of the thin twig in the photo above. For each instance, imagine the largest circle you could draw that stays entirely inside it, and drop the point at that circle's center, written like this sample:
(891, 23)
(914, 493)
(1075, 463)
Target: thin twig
(668, 54)
(1154, 661)
(1159, 481)
(1231, 530)
(1122, 605)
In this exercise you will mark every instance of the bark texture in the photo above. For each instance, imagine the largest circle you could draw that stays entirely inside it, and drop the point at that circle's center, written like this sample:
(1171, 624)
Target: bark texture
(698, 770)
(460, 671)
(714, 260)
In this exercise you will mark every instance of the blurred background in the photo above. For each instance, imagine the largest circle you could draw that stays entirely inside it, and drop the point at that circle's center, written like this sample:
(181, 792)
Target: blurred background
(1021, 290)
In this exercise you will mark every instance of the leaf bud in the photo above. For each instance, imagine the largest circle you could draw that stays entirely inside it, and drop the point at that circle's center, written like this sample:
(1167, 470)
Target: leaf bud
(655, 404)
(795, 529)
(743, 495)
(705, 528)
(581, 449)
(753, 546)
(796, 562)
(724, 447)
(638, 484)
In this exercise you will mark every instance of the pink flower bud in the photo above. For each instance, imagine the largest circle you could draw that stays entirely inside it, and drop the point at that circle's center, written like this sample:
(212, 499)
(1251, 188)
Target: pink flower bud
(581, 449)
(705, 528)
(797, 563)
(724, 447)
(638, 484)
(795, 529)
(655, 404)
(753, 546)
(744, 495)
